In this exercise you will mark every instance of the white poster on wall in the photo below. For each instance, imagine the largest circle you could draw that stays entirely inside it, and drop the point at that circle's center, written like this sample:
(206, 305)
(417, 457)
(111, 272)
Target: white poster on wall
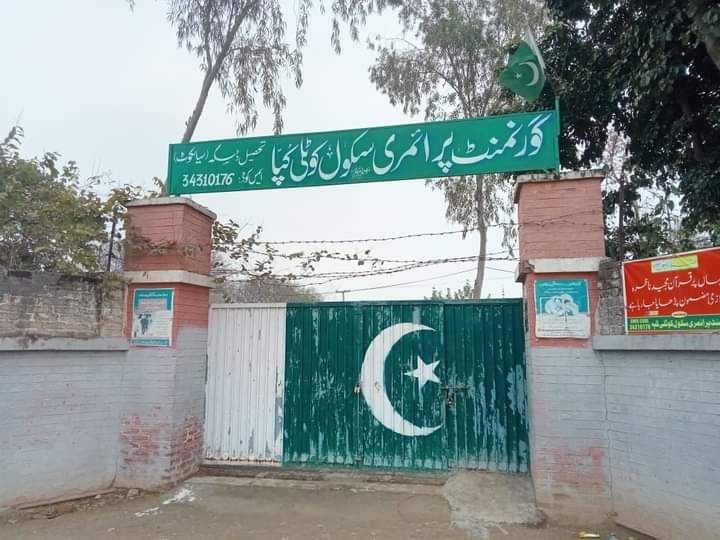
(152, 317)
(561, 308)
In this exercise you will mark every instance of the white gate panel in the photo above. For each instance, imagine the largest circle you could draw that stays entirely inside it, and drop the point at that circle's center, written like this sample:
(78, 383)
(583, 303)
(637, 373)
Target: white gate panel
(245, 382)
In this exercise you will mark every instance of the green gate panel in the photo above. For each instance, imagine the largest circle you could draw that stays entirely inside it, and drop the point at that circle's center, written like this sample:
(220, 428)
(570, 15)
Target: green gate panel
(423, 385)
(486, 423)
(323, 354)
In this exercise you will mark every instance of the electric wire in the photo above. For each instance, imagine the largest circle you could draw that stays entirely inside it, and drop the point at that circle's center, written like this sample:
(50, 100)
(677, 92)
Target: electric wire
(557, 219)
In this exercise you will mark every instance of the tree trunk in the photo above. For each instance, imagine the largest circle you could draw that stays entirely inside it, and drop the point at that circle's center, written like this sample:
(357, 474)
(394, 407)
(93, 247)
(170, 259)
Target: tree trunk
(712, 45)
(683, 91)
(212, 71)
(197, 111)
(482, 229)
(199, 106)
(621, 221)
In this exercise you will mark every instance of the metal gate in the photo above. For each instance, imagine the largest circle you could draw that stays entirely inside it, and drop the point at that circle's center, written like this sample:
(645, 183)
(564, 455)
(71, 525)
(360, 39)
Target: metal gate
(245, 382)
(423, 385)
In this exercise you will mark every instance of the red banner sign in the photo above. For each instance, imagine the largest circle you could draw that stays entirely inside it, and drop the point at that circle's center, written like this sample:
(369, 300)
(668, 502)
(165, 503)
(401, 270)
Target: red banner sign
(677, 293)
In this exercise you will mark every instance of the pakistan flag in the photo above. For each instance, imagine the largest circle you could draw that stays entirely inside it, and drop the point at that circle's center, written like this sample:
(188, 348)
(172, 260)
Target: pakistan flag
(405, 384)
(525, 72)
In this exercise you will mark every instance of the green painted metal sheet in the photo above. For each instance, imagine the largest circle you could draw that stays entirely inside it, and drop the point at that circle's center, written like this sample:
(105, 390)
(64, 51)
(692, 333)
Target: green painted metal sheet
(504, 143)
(486, 423)
(423, 385)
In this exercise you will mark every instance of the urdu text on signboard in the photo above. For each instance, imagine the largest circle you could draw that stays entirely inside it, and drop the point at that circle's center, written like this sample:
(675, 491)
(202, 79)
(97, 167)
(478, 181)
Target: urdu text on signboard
(677, 293)
(507, 143)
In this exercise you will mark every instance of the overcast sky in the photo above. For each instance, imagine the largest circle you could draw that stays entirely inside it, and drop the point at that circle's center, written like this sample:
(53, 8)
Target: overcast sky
(109, 88)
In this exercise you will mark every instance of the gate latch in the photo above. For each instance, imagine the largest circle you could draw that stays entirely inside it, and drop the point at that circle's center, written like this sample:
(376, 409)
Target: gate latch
(356, 390)
(450, 389)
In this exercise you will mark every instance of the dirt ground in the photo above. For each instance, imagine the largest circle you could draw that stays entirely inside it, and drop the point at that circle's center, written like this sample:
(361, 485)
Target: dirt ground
(218, 509)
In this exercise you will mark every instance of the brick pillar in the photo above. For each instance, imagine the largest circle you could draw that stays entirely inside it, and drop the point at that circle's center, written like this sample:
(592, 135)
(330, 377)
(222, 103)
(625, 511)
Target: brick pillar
(168, 247)
(561, 238)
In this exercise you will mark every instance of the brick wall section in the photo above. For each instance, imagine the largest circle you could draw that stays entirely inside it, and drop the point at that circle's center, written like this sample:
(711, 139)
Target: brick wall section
(40, 304)
(146, 422)
(191, 306)
(189, 406)
(161, 423)
(186, 450)
(568, 433)
(59, 422)
(185, 229)
(664, 426)
(611, 310)
(161, 432)
(561, 218)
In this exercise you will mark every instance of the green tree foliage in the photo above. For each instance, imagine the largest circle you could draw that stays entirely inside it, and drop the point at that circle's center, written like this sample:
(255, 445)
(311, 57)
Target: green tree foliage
(49, 220)
(263, 290)
(652, 220)
(650, 68)
(445, 66)
(243, 49)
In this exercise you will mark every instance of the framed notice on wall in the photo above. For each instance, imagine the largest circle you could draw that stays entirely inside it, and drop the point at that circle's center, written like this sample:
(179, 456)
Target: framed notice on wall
(561, 308)
(677, 293)
(152, 317)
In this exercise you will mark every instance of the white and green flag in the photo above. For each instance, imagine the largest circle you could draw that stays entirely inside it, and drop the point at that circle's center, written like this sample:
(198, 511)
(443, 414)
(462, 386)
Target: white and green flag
(525, 72)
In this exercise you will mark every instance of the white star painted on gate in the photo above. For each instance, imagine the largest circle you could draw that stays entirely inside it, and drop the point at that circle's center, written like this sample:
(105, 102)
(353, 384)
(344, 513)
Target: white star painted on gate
(424, 372)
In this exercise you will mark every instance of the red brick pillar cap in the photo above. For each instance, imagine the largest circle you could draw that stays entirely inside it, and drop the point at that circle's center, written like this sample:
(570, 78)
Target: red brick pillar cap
(586, 174)
(158, 201)
(177, 221)
(560, 222)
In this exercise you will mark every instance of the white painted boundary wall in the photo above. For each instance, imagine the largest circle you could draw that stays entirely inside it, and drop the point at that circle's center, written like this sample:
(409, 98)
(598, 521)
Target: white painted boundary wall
(663, 424)
(245, 383)
(61, 404)
(629, 428)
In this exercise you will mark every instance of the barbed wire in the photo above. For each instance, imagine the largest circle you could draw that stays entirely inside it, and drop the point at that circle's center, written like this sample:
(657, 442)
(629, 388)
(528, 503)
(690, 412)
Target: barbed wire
(346, 257)
(338, 276)
(362, 289)
(541, 222)
(368, 240)
(404, 283)
(401, 284)
(408, 266)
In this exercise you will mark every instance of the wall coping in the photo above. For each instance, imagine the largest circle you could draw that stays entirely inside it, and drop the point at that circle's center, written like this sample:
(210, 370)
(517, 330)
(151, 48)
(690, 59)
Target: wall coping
(159, 201)
(27, 343)
(170, 276)
(557, 266)
(586, 174)
(672, 342)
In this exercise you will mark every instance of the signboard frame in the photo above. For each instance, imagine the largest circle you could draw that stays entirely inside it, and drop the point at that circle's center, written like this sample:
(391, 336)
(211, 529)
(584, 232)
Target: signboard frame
(515, 142)
(691, 286)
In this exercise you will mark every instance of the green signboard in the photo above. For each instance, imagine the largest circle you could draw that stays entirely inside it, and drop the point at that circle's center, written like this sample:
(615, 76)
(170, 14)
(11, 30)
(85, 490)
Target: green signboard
(506, 143)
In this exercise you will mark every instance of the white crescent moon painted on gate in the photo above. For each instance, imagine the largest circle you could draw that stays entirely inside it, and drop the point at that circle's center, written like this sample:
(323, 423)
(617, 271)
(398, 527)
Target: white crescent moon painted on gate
(535, 70)
(372, 380)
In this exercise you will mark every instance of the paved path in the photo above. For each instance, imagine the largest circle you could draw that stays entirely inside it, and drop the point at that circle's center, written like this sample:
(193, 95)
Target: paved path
(219, 509)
